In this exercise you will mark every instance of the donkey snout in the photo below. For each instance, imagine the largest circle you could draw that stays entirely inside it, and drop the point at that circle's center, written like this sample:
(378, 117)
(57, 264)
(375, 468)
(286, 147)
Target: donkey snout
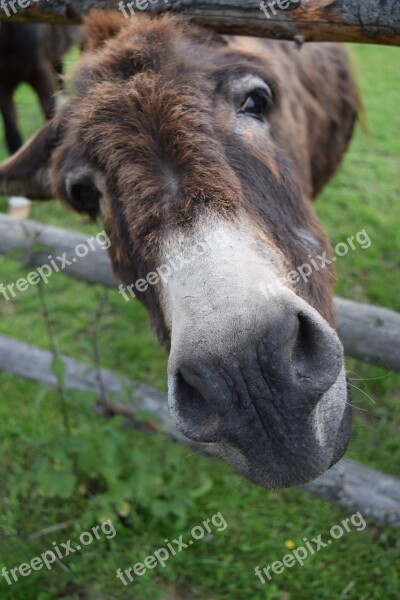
(267, 394)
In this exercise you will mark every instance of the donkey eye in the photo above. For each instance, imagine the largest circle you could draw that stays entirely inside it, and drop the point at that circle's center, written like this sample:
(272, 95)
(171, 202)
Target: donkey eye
(83, 194)
(256, 103)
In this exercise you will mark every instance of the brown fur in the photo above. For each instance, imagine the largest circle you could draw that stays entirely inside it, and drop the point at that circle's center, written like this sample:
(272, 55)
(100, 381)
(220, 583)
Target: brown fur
(145, 114)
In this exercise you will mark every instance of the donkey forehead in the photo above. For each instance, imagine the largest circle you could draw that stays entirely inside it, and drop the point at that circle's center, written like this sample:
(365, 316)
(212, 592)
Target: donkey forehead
(176, 60)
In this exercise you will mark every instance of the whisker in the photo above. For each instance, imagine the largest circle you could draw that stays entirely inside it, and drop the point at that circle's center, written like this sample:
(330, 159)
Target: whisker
(368, 378)
(363, 392)
(357, 407)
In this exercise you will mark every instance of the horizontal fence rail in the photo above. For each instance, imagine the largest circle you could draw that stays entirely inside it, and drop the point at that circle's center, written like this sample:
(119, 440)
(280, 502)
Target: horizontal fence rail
(347, 484)
(369, 333)
(367, 21)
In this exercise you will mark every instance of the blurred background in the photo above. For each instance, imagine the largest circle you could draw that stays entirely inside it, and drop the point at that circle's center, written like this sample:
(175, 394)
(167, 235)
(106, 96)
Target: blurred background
(151, 489)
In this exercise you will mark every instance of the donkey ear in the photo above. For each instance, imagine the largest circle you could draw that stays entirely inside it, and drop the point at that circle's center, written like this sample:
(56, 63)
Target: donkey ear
(26, 172)
(100, 26)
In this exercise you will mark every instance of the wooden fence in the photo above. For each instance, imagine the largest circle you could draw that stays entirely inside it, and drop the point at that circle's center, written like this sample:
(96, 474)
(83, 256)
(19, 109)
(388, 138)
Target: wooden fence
(369, 21)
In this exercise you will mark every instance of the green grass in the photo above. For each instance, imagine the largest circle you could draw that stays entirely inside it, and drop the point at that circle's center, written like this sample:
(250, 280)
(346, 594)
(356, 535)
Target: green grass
(361, 565)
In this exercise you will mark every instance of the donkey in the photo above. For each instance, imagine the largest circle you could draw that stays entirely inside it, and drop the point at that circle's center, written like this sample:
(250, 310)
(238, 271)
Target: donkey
(174, 134)
(31, 53)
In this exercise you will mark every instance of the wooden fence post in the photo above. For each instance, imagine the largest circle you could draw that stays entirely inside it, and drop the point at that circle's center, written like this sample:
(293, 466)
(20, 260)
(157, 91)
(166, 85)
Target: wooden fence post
(370, 21)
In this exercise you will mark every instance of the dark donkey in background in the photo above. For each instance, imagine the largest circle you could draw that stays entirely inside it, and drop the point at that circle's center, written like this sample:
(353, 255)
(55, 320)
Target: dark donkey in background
(31, 53)
(174, 134)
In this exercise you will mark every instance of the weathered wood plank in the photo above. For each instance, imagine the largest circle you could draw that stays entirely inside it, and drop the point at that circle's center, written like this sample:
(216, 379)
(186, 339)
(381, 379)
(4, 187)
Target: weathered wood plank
(370, 21)
(352, 486)
(34, 242)
(369, 333)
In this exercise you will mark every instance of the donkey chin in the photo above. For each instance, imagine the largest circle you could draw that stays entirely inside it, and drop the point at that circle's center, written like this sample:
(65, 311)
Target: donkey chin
(262, 378)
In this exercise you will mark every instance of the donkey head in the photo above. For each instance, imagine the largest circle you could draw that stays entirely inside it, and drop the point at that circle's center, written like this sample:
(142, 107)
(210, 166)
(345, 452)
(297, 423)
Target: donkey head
(202, 154)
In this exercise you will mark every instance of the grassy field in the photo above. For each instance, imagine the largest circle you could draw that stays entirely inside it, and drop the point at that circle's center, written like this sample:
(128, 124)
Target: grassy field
(152, 491)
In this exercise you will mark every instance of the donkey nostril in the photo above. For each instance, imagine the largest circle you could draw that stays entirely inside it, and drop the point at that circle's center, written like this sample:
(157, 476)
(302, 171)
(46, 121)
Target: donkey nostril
(313, 355)
(190, 402)
(193, 413)
(304, 345)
